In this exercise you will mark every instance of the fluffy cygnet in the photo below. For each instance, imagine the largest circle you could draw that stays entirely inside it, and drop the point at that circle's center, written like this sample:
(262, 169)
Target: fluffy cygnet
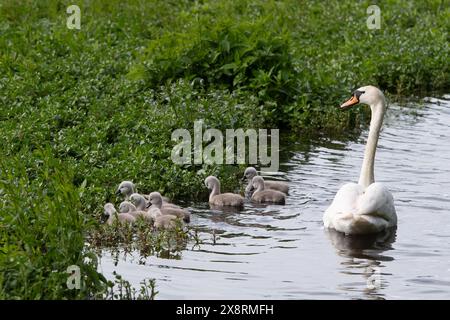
(126, 188)
(157, 202)
(165, 221)
(130, 208)
(251, 172)
(222, 199)
(112, 214)
(262, 195)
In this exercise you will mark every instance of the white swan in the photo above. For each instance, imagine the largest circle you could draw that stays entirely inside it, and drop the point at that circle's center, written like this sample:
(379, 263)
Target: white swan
(366, 207)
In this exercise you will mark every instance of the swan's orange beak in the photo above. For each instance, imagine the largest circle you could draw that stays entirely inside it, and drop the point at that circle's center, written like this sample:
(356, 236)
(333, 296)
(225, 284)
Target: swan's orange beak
(350, 102)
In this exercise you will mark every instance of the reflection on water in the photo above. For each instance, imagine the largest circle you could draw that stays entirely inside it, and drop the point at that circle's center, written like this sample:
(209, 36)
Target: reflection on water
(363, 255)
(283, 251)
(363, 246)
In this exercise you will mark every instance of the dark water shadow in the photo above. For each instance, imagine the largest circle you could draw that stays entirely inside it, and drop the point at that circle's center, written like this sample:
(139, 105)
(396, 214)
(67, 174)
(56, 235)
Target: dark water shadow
(368, 247)
(225, 209)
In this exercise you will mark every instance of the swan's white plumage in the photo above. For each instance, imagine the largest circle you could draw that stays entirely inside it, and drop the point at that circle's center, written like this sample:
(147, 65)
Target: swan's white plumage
(366, 207)
(356, 210)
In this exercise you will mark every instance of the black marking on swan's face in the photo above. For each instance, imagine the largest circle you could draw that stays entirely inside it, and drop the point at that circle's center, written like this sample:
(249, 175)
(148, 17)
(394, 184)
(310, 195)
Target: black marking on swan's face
(358, 93)
(354, 100)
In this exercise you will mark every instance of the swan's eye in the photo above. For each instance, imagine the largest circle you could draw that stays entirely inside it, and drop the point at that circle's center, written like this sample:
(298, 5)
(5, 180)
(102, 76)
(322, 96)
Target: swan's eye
(358, 93)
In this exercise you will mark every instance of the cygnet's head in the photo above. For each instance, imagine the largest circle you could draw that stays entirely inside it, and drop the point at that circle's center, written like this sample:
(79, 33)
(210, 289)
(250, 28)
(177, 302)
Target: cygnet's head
(126, 207)
(258, 183)
(249, 173)
(125, 188)
(211, 181)
(138, 200)
(108, 210)
(155, 198)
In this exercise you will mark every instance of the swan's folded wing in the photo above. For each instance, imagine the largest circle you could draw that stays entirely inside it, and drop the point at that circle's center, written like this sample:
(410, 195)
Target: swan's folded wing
(344, 204)
(346, 198)
(377, 201)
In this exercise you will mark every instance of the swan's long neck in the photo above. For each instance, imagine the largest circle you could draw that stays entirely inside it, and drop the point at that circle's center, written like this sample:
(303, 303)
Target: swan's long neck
(112, 217)
(141, 205)
(367, 177)
(260, 188)
(215, 191)
(129, 193)
(158, 203)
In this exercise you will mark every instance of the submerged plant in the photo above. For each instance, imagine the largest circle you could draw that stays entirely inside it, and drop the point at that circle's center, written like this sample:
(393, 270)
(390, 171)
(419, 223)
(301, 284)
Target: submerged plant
(141, 238)
(121, 289)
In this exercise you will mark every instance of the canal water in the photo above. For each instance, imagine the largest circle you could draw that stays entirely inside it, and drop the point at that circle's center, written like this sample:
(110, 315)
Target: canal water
(283, 252)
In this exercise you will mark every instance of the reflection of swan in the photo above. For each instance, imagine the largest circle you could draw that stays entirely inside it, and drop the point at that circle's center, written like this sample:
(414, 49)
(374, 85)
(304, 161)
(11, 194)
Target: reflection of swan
(363, 256)
(223, 209)
(367, 246)
(366, 207)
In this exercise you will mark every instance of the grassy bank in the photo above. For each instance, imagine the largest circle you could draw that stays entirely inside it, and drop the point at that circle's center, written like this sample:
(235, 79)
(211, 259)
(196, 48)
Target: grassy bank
(81, 110)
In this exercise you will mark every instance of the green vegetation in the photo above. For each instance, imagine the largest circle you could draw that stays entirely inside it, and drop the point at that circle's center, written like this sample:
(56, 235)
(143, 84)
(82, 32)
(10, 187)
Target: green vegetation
(81, 110)
(140, 237)
(41, 231)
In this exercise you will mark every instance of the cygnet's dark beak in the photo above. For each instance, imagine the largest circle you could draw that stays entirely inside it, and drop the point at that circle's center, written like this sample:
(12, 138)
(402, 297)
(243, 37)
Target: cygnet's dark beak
(148, 205)
(104, 217)
(244, 178)
(118, 192)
